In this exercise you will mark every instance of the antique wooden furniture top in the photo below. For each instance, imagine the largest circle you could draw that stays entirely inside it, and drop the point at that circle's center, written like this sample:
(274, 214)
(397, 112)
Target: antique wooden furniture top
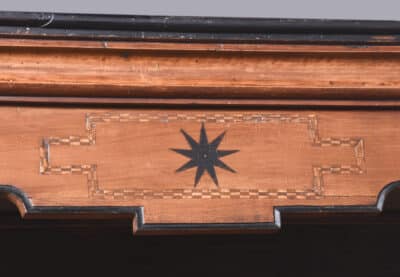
(198, 124)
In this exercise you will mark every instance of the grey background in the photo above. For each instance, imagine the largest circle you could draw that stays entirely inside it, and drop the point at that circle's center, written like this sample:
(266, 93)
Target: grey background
(338, 9)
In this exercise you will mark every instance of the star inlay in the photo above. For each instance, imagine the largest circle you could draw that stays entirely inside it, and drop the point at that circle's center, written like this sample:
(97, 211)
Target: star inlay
(204, 155)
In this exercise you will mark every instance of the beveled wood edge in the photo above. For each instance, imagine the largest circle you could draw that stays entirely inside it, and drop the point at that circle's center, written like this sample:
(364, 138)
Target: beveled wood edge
(193, 103)
(174, 46)
(136, 214)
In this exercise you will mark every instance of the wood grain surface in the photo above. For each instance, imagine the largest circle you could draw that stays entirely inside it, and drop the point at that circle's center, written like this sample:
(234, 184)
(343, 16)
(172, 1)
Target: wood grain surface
(208, 70)
(123, 157)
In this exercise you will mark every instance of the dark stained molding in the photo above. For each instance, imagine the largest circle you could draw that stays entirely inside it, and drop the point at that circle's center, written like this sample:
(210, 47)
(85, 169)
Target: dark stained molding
(182, 28)
(389, 195)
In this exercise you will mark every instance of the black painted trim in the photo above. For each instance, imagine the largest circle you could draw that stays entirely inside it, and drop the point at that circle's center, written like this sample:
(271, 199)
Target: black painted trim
(389, 198)
(138, 212)
(184, 28)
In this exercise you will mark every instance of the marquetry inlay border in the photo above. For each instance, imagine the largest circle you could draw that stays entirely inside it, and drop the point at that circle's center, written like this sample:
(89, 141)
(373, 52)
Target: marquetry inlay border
(316, 189)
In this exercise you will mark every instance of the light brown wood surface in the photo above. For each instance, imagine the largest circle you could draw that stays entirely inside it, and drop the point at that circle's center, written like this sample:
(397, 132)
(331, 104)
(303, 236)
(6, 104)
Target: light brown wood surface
(139, 69)
(123, 157)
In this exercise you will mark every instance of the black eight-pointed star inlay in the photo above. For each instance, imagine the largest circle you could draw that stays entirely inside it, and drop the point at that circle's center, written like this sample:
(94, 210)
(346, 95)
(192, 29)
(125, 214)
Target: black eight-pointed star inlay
(204, 155)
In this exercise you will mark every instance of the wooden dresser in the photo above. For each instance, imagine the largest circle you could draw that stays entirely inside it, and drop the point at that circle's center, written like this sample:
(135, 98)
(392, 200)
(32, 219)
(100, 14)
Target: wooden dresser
(185, 124)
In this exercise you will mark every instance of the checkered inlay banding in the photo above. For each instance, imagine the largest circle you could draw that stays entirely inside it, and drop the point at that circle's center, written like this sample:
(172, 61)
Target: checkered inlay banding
(207, 194)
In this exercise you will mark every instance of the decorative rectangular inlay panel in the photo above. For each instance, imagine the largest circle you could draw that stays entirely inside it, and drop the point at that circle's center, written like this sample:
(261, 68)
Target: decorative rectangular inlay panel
(198, 166)
(253, 188)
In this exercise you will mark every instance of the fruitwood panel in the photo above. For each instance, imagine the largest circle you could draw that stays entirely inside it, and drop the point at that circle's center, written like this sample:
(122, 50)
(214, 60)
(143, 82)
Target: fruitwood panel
(93, 157)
